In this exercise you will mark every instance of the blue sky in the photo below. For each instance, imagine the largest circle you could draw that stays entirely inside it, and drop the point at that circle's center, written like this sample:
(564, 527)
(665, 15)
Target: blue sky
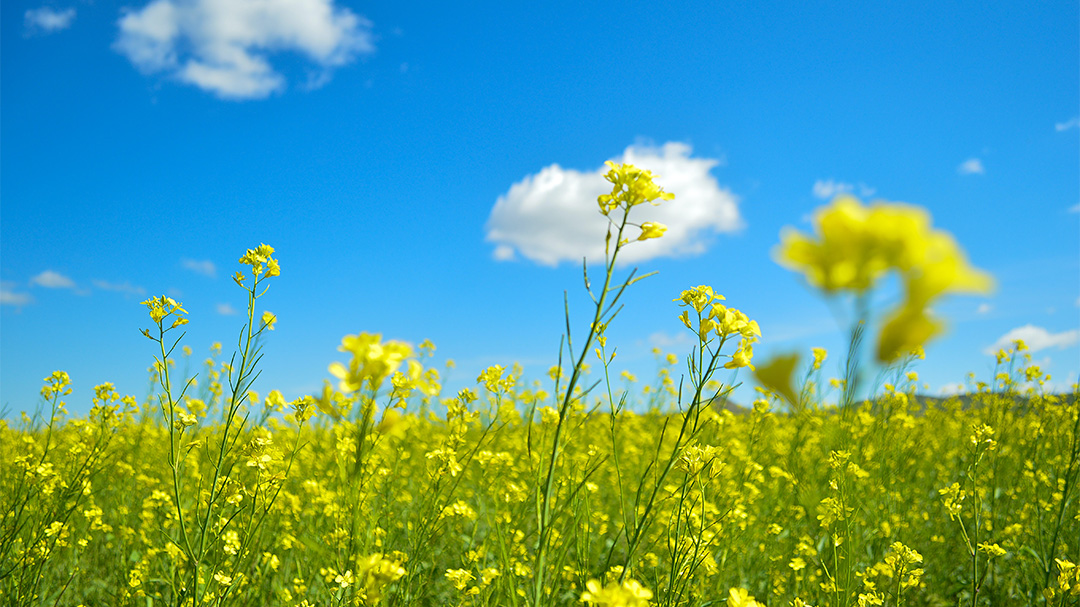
(146, 146)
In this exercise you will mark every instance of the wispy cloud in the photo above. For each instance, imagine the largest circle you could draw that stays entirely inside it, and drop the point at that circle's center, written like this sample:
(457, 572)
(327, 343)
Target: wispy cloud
(52, 280)
(952, 389)
(826, 189)
(1075, 208)
(1071, 123)
(664, 340)
(1036, 338)
(224, 46)
(204, 267)
(971, 166)
(47, 20)
(124, 287)
(225, 309)
(552, 216)
(984, 308)
(10, 297)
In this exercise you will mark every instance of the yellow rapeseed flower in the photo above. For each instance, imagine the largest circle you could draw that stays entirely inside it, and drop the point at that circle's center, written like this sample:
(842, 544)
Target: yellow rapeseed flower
(854, 246)
(627, 594)
(631, 186)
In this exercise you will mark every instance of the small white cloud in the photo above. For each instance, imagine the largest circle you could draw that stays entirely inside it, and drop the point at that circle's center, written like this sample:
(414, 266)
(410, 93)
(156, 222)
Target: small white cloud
(48, 20)
(971, 166)
(951, 390)
(52, 280)
(204, 267)
(553, 216)
(224, 46)
(984, 308)
(10, 297)
(1068, 124)
(827, 189)
(125, 287)
(503, 253)
(1075, 208)
(665, 341)
(1036, 338)
(225, 309)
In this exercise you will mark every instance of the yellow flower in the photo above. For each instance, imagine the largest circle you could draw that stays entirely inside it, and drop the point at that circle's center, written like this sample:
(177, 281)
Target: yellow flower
(372, 361)
(628, 594)
(698, 298)
(260, 261)
(631, 186)
(854, 246)
(163, 306)
(742, 356)
(652, 229)
(906, 328)
(459, 578)
(776, 375)
(740, 597)
(268, 320)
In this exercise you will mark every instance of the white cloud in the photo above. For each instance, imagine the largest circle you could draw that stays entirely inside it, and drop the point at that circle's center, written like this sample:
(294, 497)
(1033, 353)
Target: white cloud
(204, 267)
(953, 389)
(1036, 338)
(48, 20)
(225, 309)
(10, 297)
(503, 252)
(664, 340)
(52, 280)
(829, 189)
(553, 216)
(1075, 208)
(223, 46)
(971, 166)
(125, 287)
(1068, 124)
(984, 308)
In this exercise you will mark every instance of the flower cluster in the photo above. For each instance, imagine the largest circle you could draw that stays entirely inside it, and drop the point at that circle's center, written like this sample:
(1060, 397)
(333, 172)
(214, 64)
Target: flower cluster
(632, 186)
(714, 318)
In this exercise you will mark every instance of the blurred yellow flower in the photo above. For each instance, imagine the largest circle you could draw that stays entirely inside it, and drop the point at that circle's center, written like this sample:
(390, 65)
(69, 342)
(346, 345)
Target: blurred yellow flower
(627, 594)
(855, 245)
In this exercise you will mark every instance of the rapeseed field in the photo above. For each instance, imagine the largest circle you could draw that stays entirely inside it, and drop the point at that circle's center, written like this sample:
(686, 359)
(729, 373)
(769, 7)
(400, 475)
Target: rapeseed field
(569, 489)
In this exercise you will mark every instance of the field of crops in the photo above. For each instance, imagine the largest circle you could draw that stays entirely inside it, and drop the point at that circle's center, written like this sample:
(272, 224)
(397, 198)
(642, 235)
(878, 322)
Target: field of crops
(566, 490)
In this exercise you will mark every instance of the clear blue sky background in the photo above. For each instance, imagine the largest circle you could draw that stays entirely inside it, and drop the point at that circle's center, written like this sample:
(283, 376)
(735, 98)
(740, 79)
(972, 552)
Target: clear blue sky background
(370, 143)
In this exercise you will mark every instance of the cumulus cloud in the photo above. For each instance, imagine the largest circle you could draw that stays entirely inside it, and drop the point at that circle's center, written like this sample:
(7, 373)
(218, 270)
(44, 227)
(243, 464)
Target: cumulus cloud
(1036, 338)
(225, 309)
(553, 216)
(204, 267)
(224, 46)
(125, 287)
(971, 166)
(47, 20)
(52, 280)
(10, 297)
(1071, 123)
(828, 189)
